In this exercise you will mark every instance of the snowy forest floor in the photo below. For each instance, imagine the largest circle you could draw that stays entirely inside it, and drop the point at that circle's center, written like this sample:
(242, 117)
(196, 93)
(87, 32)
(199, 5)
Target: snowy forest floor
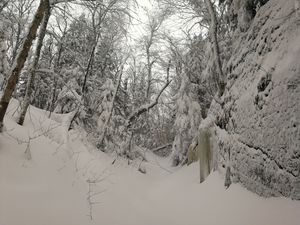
(67, 182)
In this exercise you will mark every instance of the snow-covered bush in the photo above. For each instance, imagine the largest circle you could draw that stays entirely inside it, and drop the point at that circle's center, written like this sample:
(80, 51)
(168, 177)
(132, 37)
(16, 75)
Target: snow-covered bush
(68, 99)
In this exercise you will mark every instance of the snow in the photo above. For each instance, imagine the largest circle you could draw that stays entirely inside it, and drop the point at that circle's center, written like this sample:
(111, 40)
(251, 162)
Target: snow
(52, 188)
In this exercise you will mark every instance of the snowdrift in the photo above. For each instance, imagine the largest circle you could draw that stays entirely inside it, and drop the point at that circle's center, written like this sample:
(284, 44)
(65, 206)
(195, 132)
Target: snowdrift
(66, 181)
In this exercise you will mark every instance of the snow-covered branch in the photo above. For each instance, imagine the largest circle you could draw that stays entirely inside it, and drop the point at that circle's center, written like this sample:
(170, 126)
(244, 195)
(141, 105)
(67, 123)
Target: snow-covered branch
(162, 147)
(54, 2)
(146, 107)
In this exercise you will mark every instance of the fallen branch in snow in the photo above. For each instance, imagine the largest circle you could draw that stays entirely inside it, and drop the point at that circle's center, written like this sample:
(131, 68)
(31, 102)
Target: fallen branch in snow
(146, 107)
(27, 152)
(161, 147)
(20, 141)
(91, 194)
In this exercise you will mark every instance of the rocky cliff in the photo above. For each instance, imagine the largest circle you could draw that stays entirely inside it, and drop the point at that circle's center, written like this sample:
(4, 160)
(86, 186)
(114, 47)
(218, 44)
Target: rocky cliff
(260, 129)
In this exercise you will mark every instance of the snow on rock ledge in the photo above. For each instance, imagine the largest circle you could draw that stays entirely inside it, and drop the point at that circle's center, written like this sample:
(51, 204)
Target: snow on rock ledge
(263, 103)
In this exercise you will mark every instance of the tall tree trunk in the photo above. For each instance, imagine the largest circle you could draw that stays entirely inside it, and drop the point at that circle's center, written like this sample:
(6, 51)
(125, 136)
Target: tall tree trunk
(214, 37)
(31, 78)
(20, 60)
(57, 68)
(17, 44)
(88, 69)
(90, 63)
(149, 74)
(53, 99)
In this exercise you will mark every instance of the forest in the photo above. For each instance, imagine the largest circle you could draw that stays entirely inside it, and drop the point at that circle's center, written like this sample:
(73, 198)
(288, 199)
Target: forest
(142, 112)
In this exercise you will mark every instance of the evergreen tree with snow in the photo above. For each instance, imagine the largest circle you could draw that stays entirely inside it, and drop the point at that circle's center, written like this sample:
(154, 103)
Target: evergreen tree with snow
(188, 118)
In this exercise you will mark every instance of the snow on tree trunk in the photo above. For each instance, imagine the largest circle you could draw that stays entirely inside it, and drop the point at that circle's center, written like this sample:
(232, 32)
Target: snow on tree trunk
(20, 60)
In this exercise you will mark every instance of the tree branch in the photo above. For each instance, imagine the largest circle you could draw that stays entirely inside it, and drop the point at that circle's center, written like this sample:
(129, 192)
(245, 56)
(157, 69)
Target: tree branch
(162, 147)
(145, 108)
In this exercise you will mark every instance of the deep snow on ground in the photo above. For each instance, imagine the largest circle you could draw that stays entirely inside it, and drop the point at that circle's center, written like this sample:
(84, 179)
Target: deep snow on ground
(52, 187)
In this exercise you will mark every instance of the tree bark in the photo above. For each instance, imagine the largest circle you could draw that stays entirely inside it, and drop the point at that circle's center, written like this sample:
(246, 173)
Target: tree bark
(20, 60)
(214, 36)
(31, 78)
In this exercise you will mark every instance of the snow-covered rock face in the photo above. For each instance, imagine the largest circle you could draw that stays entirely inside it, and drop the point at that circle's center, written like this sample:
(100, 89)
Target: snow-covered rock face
(263, 103)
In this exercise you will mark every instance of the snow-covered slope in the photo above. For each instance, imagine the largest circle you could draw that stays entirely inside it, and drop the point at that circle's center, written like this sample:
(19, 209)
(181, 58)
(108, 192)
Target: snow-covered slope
(263, 103)
(61, 180)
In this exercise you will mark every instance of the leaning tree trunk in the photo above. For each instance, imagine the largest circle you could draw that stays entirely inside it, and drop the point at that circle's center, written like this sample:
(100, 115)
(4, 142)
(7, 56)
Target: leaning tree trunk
(20, 60)
(31, 78)
(214, 37)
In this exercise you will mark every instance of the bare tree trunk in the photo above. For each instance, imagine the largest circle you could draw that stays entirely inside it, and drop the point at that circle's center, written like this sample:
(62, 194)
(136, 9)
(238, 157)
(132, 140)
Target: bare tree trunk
(18, 41)
(53, 100)
(88, 68)
(90, 63)
(20, 60)
(149, 72)
(214, 37)
(57, 68)
(31, 78)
